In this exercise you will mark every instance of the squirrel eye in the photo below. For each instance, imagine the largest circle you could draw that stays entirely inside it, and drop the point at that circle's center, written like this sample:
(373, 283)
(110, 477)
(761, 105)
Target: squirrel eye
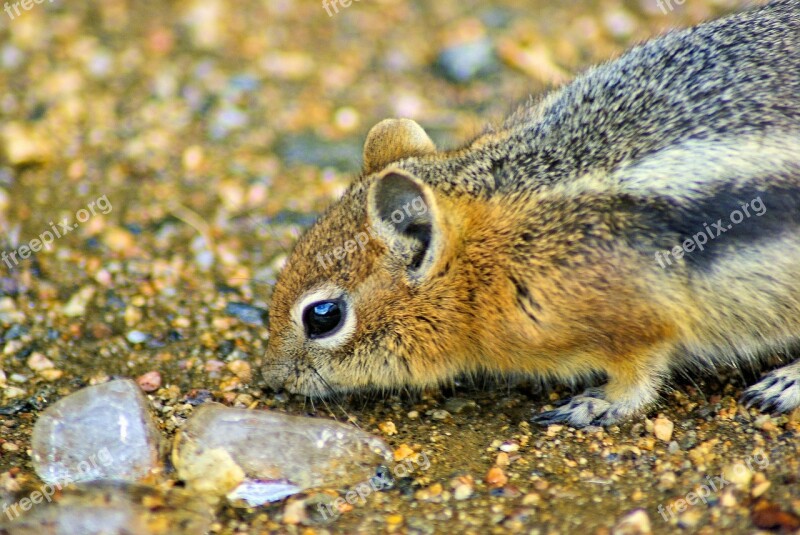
(323, 318)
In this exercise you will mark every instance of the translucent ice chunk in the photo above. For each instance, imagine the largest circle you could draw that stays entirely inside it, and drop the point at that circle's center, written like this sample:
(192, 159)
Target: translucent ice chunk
(260, 456)
(100, 432)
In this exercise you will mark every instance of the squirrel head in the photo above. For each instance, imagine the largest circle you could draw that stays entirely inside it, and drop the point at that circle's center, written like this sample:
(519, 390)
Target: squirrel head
(360, 292)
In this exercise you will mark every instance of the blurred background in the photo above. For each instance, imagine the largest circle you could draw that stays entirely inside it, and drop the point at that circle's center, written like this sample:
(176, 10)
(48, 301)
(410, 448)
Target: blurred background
(217, 131)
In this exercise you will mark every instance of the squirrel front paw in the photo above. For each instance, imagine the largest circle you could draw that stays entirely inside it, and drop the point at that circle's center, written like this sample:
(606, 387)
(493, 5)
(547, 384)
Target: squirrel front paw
(590, 407)
(593, 407)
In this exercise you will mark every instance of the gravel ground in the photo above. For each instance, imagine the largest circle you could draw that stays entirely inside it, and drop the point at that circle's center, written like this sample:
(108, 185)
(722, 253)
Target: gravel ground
(186, 145)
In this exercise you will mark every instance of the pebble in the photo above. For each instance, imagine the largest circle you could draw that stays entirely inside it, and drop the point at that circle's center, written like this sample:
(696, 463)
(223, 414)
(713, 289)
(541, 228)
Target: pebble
(403, 451)
(252, 315)
(440, 414)
(691, 518)
(76, 306)
(38, 362)
(387, 428)
(463, 490)
(509, 447)
(241, 369)
(662, 429)
(760, 489)
(467, 61)
(636, 522)
(459, 405)
(137, 337)
(150, 381)
(496, 478)
(738, 474)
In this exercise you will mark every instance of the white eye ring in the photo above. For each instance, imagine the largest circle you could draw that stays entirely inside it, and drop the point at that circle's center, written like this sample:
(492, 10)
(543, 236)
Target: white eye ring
(326, 292)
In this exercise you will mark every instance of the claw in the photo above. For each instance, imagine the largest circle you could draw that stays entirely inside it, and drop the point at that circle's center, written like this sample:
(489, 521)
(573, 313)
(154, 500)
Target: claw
(546, 418)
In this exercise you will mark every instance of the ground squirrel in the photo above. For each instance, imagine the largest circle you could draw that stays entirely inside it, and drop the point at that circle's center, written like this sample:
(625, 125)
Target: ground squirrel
(640, 219)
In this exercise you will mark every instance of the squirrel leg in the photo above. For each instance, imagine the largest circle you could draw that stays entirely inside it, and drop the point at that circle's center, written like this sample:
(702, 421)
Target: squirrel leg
(778, 391)
(629, 390)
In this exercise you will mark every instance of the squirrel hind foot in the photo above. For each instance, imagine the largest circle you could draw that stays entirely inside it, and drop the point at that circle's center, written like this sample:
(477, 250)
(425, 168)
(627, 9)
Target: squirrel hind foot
(778, 391)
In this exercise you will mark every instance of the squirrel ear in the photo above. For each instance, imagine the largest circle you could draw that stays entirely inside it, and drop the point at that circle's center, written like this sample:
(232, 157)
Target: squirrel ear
(393, 139)
(403, 212)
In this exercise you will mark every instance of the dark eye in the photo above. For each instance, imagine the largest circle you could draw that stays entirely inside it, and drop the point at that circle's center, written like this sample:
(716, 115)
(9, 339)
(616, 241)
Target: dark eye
(323, 318)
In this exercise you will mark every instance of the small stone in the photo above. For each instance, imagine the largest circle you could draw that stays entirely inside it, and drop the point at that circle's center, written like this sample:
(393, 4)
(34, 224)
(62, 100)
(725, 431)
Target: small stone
(403, 451)
(467, 61)
(295, 513)
(50, 375)
(76, 306)
(241, 369)
(394, 520)
(462, 492)
(531, 499)
(150, 381)
(690, 519)
(25, 144)
(760, 489)
(738, 474)
(137, 337)
(459, 405)
(412, 415)
(728, 499)
(10, 446)
(667, 480)
(430, 494)
(554, 429)
(662, 429)
(388, 428)
(132, 316)
(246, 313)
(440, 414)
(9, 312)
(509, 446)
(502, 459)
(765, 422)
(496, 478)
(38, 362)
(634, 523)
